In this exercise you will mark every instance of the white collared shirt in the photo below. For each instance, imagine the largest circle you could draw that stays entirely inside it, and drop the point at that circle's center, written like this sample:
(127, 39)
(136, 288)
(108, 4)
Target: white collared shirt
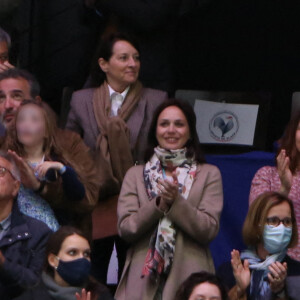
(117, 99)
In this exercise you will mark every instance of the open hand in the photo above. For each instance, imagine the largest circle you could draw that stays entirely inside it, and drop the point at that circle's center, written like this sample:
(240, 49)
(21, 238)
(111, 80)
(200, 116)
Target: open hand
(284, 172)
(168, 190)
(84, 295)
(241, 271)
(28, 178)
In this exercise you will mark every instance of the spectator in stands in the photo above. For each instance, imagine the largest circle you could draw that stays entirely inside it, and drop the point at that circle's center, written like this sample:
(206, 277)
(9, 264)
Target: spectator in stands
(169, 209)
(285, 177)
(264, 271)
(22, 239)
(155, 25)
(34, 139)
(67, 269)
(113, 120)
(16, 86)
(200, 286)
(5, 43)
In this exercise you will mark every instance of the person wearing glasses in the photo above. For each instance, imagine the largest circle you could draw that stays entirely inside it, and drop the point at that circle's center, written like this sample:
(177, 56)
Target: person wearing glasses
(285, 176)
(264, 271)
(22, 238)
(5, 43)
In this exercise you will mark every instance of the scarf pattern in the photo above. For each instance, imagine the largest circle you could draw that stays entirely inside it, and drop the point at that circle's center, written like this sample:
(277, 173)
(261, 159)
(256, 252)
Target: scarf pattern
(259, 286)
(160, 255)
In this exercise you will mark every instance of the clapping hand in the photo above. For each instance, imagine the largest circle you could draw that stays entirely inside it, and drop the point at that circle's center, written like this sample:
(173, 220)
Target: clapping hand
(168, 191)
(241, 272)
(284, 172)
(277, 276)
(84, 295)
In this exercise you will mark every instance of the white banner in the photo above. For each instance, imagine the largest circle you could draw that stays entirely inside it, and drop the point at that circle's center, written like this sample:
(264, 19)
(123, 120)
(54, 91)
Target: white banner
(225, 123)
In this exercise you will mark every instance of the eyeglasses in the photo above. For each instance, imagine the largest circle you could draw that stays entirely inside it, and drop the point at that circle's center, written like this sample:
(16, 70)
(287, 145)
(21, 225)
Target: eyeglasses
(275, 221)
(3, 172)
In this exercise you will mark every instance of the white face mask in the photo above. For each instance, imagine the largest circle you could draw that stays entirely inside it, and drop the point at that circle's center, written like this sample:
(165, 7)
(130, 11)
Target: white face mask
(277, 239)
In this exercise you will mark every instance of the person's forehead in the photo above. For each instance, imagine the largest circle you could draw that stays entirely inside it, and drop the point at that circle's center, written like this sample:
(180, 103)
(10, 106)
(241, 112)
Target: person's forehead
(15, 84)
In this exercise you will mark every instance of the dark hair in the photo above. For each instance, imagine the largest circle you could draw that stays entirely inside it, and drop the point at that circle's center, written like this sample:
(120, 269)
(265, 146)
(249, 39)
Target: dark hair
(4, 37)
(186, 288)
(193, 144)
(53, 247)
(18, 73)
(105, 51)
(56, 240)
(288, 143)
(257, 216)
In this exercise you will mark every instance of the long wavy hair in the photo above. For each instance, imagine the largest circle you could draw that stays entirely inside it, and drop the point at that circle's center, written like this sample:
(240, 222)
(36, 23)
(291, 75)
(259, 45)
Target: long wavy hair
(51, 146)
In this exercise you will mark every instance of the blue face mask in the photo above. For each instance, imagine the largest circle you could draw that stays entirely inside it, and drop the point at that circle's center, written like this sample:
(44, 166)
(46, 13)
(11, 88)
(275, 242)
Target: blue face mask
(74, 272)
(277, 239)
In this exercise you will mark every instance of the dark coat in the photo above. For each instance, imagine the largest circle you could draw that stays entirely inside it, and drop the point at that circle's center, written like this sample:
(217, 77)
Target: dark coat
(23, 248)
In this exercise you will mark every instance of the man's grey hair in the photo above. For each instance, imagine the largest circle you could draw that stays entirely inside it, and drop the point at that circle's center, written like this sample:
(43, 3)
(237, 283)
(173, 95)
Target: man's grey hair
(14, 170)
(4, 37)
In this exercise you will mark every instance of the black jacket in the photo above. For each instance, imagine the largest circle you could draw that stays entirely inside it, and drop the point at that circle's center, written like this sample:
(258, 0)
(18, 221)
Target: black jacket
(23, 248)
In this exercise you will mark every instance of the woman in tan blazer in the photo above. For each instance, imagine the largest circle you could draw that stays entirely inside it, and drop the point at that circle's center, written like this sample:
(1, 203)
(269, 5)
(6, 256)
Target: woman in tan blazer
(113, 119)
(169, 209)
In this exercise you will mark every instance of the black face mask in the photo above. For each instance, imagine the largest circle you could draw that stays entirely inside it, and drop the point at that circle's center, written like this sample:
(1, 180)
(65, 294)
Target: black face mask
(74, 272)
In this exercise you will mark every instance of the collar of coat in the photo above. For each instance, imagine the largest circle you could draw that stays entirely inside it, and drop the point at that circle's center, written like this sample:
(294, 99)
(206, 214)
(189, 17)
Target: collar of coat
(18, 229)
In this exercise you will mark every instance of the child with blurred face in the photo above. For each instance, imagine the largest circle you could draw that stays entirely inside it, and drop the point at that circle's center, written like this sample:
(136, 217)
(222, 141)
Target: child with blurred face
(32, 142)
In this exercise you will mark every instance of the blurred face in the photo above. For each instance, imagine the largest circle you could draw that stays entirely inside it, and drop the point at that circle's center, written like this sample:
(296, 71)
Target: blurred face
(172, 130)
(3, 52)
(12, 92)
(297, 137)
(30, 125)
(9, 186)
(123, 67)
(205, 291)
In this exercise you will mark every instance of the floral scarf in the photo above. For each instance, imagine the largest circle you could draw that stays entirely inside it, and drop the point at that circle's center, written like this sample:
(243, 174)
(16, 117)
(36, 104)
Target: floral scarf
(162, 243)
(259, 286)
